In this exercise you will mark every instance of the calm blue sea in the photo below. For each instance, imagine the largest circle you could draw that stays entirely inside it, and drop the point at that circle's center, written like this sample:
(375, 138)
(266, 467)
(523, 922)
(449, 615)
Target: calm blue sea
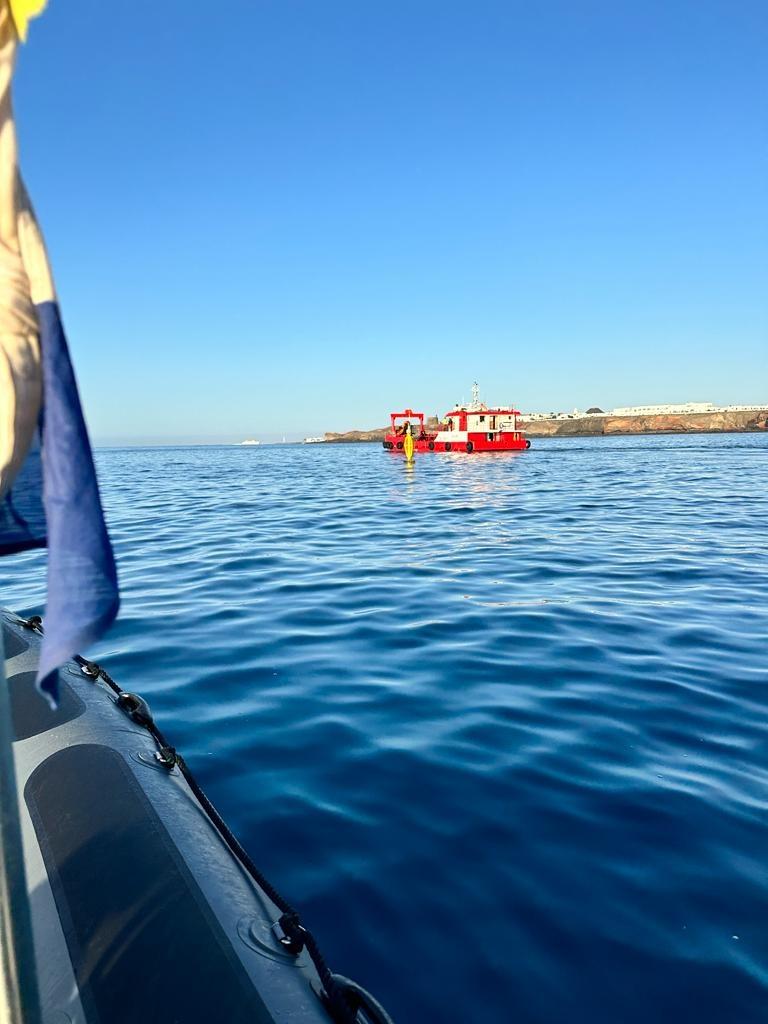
(498, 725)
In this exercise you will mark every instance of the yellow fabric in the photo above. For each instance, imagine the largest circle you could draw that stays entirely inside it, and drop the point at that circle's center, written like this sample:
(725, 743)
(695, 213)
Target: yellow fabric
(22, 11)
(25, 279)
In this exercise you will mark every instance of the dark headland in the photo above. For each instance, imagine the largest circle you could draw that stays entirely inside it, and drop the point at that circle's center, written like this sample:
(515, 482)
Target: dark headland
(609, 425)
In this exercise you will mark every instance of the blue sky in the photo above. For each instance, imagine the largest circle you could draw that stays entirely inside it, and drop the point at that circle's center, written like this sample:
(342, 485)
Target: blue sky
(287, 216)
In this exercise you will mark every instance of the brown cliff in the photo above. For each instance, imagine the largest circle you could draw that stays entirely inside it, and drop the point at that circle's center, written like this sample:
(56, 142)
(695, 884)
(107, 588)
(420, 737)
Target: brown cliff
(676, 423)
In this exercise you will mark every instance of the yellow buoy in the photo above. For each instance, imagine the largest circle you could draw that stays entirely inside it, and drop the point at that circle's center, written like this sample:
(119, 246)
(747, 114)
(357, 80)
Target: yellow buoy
(408, 446)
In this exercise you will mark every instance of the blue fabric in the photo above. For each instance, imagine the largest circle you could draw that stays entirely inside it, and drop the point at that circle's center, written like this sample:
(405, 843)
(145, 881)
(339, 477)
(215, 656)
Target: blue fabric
(82, 599)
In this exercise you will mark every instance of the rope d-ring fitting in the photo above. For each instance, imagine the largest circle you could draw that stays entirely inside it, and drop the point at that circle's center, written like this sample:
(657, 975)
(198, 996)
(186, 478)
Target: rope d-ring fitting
(290, 933)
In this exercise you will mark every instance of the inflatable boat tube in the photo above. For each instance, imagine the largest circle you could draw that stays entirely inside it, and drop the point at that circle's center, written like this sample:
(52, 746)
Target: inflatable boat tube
(140, 911)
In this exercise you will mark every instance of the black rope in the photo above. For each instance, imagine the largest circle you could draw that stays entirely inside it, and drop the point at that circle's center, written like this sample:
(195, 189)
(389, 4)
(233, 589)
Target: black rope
(291, 933)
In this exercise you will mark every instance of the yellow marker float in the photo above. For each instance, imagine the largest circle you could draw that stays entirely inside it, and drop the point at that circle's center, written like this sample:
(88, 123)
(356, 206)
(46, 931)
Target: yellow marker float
(408, 447)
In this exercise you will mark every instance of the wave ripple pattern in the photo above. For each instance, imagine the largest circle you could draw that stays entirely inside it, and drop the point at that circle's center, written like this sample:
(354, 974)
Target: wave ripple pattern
(496, 724)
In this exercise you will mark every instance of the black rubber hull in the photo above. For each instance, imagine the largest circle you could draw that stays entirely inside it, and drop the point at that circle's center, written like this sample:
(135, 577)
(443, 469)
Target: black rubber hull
(139, 911)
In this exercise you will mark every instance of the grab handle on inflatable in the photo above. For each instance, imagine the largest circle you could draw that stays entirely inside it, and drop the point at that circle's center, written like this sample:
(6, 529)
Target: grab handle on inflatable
(135, 707)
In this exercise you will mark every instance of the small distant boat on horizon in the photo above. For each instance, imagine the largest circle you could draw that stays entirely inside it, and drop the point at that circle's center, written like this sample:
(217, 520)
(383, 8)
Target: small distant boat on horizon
(314, 440)
(250, 441)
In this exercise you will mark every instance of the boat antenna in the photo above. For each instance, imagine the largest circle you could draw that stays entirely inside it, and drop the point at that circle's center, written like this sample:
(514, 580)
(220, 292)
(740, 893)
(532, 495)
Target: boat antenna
(475, 393)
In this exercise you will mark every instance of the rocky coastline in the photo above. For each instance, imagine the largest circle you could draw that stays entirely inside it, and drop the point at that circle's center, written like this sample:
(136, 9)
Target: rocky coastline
(597, 426)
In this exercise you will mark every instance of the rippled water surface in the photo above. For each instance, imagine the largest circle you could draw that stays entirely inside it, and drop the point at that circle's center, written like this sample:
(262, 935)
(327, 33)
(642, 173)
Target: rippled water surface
(497, 724)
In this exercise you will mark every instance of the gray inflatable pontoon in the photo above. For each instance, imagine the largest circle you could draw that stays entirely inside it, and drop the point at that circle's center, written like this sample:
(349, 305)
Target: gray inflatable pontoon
(140, 909)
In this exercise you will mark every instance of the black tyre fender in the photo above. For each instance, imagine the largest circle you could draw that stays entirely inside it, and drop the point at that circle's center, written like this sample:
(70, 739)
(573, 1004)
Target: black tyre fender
(399, 444)
(527, 443)
(470, 446)
(387, 444)
(447, 446)
(431, 446)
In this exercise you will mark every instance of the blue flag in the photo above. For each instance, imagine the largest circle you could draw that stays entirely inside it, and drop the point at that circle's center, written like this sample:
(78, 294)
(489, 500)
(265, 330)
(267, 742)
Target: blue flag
(55, 500)
(49, 495)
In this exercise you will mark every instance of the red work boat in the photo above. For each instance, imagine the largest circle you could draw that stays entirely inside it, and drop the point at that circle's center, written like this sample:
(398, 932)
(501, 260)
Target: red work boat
(466, 428)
